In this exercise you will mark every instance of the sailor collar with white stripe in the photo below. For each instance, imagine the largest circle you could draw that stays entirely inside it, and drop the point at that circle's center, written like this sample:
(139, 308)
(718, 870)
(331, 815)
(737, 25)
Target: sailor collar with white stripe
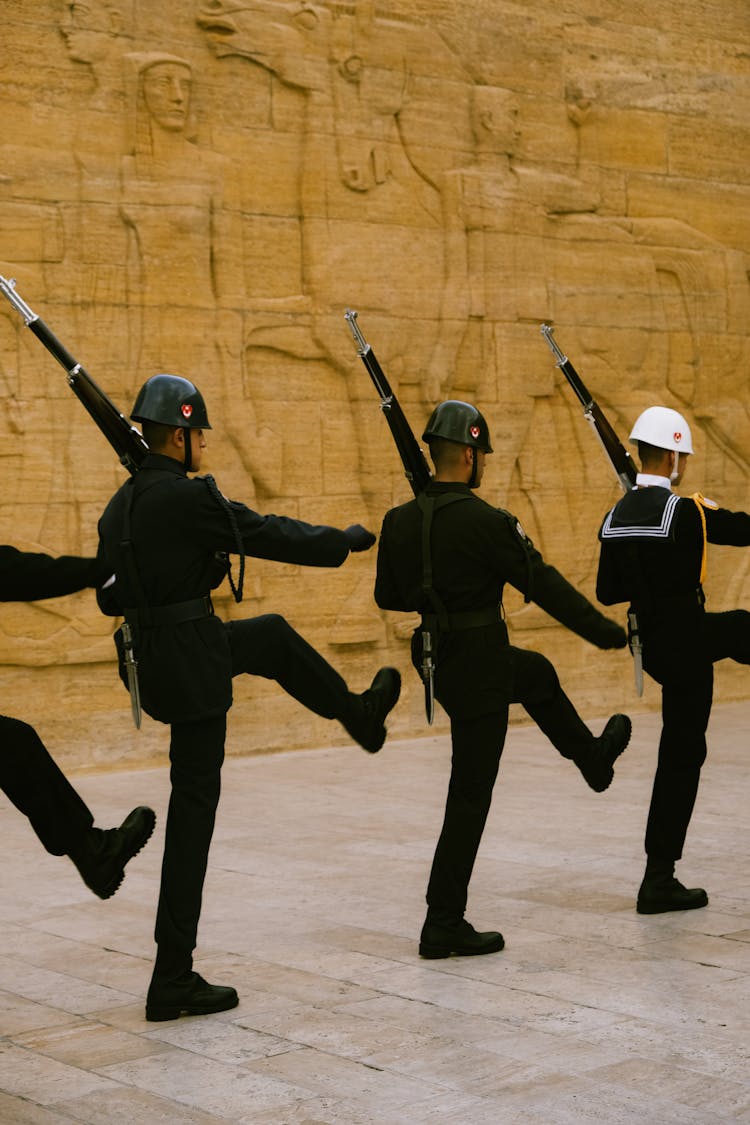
(649, 480)
(651, 519)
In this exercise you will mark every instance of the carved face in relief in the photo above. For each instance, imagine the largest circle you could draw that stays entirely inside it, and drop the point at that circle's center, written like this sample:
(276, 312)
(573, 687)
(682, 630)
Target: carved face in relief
(88, 27)
(166, 92)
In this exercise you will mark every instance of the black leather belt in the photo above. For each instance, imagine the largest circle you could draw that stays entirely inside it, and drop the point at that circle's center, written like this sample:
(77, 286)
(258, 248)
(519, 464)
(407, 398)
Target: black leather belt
(147, 617)
(471, 619)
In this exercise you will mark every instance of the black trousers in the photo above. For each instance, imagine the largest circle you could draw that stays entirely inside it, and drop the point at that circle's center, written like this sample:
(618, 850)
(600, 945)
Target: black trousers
(38, 788)
(261, 646)
(686, 692)
(477, 745)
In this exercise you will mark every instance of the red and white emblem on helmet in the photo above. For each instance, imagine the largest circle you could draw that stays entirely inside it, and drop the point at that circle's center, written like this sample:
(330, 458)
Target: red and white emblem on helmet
(474, 431)
(186, 410)
(677, 437)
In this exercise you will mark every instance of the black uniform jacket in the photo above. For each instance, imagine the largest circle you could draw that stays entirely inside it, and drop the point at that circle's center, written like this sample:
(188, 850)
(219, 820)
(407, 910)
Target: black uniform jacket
(475, 550)
(177, 527)
(651, 550)
(28, 577)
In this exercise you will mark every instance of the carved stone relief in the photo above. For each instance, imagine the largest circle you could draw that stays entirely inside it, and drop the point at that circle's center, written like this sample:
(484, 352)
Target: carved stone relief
(204, 188)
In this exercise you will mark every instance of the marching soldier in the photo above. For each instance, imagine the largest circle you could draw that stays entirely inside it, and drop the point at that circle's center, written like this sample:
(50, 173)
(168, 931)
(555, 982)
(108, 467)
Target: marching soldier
(166, 535)
(653, 555)
(30, 777)
(448, 555)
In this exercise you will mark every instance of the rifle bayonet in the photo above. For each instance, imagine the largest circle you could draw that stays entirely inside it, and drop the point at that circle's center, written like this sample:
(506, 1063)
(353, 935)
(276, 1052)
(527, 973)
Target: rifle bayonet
(131, 669)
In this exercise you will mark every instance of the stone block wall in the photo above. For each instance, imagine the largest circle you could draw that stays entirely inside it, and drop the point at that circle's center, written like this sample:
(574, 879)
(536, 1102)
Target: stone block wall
(205, 187)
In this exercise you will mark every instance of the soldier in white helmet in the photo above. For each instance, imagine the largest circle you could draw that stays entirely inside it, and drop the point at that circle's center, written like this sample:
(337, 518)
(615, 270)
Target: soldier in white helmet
(653, 555)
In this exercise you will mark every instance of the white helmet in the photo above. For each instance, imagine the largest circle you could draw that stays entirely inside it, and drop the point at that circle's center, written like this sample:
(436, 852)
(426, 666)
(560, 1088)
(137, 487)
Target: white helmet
(664, 428)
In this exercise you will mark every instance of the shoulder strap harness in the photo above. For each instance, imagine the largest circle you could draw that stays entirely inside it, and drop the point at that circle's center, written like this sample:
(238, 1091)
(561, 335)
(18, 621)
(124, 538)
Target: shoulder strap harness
(226, 505)
(440, 617)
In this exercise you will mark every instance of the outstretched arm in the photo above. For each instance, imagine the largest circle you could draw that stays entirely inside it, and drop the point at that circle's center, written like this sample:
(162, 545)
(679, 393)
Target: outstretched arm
(543, 584)
(567, 605)
(723, 526)
(27, 577)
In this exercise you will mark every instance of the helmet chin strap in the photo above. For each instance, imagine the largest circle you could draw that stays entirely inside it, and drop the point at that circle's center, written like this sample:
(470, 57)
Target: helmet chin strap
(188, 459)
(473, 478)
(675, 466)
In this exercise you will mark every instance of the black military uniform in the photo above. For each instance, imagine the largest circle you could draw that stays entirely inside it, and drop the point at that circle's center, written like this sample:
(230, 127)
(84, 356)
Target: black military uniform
(29, 776)
(473, 550)
(652, 549)
(166, 535)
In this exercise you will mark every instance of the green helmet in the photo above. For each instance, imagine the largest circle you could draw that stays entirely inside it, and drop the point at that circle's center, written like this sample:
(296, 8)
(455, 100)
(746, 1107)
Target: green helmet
(173, 401)
(460, 422)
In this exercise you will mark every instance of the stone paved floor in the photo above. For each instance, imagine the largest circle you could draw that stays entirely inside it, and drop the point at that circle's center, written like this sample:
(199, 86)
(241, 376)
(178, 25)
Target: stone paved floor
(313, 904)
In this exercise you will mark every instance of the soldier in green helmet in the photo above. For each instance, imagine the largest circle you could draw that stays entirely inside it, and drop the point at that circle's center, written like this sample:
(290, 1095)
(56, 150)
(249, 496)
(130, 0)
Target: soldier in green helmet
(447, 555)
(166, 536)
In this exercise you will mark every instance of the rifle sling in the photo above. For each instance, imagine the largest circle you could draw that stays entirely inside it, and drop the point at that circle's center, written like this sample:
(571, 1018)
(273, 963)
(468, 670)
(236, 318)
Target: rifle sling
(440, 620)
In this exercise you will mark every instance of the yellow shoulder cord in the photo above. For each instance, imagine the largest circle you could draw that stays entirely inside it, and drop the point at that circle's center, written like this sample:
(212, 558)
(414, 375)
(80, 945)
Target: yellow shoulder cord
(698, 498)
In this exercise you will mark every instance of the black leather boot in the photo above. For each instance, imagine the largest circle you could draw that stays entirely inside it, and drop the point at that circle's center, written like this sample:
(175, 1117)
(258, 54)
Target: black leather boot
(366, 713)
(101, 855)
(188, 995)
(439, 940)
(595, 763)
(660, 891)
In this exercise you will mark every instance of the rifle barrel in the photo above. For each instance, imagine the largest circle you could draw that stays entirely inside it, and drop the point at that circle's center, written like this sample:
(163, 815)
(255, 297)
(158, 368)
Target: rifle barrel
(567, 368)
(127, 442)
(416, 469)
(619, 458)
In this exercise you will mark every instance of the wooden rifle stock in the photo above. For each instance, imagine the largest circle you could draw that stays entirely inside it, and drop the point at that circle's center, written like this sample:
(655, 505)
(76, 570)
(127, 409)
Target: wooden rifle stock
(127, 442)
(619, 458)
(416, 469)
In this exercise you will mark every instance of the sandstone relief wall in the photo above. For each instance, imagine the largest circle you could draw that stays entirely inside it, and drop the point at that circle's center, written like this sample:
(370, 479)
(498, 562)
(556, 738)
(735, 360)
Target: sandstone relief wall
(204, 187)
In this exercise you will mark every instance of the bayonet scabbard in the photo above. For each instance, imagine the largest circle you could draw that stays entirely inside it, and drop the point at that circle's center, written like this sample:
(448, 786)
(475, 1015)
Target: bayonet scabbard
(428, 675)
(634, 640)
(131, 670)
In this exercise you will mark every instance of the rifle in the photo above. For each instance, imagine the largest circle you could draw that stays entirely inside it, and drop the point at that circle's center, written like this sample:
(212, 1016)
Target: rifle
(620, 459)
(416, 469)
(127, 442)
(621, 462)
